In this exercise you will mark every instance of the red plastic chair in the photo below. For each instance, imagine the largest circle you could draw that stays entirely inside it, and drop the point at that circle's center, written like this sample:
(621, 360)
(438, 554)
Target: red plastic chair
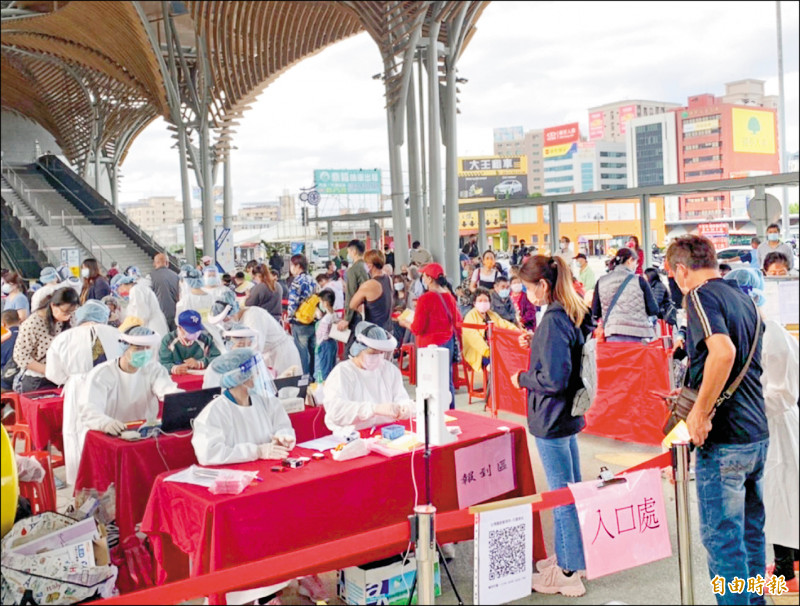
(42, 495)
(19, 428)
(408, 350)
(478, 394)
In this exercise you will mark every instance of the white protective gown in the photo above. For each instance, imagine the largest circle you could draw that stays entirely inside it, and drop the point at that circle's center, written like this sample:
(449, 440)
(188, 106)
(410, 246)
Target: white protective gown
(143, 304)
(226, 433)
(352, 393)
(68, 360)
(108, 392)
(277, 347)
(200, 303)
(780, 359)
(44, 292)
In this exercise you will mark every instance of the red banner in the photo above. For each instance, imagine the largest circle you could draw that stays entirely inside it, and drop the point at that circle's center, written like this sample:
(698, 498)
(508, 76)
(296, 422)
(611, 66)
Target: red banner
(631, 378)
(508, 358)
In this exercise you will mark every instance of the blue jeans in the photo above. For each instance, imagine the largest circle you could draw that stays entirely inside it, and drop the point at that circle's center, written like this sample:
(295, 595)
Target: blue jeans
(449, 347)
(304, 339)
(562, 465)
(325, 359)
(730, 480)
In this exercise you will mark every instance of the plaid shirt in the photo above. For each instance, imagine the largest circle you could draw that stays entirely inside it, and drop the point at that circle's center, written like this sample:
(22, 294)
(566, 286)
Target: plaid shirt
(302, 288)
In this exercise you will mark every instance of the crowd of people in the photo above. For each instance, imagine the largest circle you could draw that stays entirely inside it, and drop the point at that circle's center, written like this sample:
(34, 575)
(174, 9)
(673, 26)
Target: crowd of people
(115, 342)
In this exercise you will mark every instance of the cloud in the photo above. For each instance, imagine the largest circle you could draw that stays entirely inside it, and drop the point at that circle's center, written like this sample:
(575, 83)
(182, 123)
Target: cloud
(532, 64)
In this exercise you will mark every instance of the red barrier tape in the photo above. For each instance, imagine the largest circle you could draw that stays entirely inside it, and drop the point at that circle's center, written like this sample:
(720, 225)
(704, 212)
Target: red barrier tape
(388, 540)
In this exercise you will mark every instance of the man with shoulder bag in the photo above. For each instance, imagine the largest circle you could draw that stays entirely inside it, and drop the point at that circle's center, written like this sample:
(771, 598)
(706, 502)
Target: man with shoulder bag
(723, 405)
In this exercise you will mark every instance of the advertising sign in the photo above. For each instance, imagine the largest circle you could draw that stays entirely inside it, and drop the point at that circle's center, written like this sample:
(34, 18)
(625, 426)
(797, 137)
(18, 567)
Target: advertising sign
(626, 113)
(348, 181)
(468, 221)
(508, 133)
(597, 125)
(72, 257)
(493, 165)
(716, 232)
(694, 127)
(492, 177)
(561, 140)
(753, 131)
(223, 246)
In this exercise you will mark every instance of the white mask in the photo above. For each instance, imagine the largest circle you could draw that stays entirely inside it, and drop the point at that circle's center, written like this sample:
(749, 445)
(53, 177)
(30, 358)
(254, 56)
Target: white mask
(516, 287)
(372, 361)
(399, 287)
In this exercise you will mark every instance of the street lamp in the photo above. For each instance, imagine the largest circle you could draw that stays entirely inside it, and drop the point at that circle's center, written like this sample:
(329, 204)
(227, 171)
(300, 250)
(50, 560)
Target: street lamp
(597, 217)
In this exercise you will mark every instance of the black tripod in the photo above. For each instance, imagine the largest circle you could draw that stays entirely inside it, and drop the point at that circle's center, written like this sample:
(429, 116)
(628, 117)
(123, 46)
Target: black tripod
(430, 503)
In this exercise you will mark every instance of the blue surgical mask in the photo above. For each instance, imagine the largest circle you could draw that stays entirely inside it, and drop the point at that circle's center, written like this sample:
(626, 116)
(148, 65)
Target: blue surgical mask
(773, 237)
(503, 292)
(140, 358)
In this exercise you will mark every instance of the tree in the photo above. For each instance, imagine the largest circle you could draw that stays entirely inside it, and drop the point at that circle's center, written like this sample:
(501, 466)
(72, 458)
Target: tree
(794, 208)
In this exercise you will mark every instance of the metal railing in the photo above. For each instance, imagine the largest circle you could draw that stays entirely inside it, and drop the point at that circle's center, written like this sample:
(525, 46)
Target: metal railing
(112, 210)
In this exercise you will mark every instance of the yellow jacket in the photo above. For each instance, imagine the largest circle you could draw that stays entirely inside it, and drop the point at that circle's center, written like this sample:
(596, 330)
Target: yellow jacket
(475, 345)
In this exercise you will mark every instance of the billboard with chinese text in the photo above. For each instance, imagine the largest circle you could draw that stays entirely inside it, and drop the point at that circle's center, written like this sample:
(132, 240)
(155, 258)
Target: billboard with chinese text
(597, 125)
(490, 177)
(753, 131)
(561, 140)
(626, 113)
(348, 181)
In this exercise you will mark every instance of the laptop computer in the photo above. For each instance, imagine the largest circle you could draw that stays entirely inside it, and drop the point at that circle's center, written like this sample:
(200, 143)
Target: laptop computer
(300, 381)
(180, 409)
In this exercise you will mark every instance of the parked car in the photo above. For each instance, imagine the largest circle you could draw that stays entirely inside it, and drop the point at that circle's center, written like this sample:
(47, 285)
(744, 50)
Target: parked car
(732, 252)
(508, 187)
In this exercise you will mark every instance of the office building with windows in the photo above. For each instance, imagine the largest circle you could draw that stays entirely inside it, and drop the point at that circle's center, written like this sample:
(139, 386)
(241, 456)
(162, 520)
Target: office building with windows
(652, 149)
(513, 141)
(609, 122)
(591, 166)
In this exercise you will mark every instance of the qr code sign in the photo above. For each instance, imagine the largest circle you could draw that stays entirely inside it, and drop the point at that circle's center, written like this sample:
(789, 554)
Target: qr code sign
(506, 551)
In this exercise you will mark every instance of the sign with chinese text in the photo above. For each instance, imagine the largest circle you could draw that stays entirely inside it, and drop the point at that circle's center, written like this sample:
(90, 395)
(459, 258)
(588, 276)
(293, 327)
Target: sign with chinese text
(561, 140)
(597, 125)
(72, 257)
(485, 470)
(468, 221)
(348, 181)
(623, 524)
(503, 554)
(753, 131)
(626, 113)
(716, 232)
(701, 125)
(494, 177)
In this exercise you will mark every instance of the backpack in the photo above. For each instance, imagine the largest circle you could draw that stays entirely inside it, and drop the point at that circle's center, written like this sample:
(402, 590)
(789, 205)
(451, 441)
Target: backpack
(584, 397)
(306, 311)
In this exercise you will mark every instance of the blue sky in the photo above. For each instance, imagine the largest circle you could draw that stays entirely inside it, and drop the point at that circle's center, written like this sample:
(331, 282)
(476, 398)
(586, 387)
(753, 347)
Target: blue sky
(530, 64)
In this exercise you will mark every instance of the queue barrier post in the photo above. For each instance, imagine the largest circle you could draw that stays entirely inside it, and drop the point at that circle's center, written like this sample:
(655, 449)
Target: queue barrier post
(680, 466)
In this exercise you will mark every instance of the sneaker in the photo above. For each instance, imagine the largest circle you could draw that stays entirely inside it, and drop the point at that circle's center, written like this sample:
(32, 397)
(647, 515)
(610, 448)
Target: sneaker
(553, 580)
(543, 565)
(312, 588)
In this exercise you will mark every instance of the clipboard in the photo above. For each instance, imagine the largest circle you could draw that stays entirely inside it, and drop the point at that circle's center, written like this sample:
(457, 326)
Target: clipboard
(339, 335)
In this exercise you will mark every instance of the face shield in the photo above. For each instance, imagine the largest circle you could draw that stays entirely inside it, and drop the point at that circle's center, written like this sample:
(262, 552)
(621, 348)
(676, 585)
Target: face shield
(238, 338)
(254, 375)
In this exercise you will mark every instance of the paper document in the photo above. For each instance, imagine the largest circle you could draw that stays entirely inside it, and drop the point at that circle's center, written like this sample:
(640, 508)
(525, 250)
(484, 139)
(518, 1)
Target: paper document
(199, 476)
(196, 371)
(322, 444)
(789, 302)
(339, 335)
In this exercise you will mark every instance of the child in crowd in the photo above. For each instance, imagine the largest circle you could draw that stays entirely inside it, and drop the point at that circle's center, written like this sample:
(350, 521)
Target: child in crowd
(10, 319)
(501, 300)
(325, 356)
(526, 311)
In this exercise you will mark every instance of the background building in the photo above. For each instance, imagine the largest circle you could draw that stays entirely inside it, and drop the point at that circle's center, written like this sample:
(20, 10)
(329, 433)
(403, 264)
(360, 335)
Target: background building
(513, 142)
(609, 122)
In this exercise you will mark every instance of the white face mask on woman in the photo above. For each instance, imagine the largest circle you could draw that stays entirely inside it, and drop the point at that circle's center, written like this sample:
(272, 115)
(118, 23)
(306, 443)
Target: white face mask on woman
(483, 306)
(372, 361)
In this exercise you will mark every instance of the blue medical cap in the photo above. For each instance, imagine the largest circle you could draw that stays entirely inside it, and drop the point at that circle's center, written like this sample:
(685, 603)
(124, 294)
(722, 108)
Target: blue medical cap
(145, 336)
(226, 298)
(194, 278)
(120, 279)
(48, 275)
(92, 311)
(750, 281)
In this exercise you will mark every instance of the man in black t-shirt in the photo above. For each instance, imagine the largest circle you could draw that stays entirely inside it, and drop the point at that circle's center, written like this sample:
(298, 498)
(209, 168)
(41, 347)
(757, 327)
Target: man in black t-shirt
(732, 446)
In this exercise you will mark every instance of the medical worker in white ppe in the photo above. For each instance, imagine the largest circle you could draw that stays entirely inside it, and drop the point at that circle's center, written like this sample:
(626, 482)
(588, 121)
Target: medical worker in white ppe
(366, 390)
(126, 389)
(212, 282)
(278, 348)
(780, 360)
(72, 354)
(195, 297)
(143, 304)
(50, 283)
(237, 337)
(244, 422)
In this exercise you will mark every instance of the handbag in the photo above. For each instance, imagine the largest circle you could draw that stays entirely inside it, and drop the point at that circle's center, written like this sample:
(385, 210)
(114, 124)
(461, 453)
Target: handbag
(681, 405)
(305, 312)
(456, 342)
(599, 332)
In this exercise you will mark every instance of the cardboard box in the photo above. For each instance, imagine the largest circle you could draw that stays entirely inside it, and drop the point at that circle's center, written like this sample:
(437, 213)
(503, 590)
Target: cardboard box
(382, 582)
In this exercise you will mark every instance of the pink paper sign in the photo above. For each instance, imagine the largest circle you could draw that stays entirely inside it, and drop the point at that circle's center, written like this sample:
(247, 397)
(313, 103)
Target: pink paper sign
(485, 470)
(622, 525)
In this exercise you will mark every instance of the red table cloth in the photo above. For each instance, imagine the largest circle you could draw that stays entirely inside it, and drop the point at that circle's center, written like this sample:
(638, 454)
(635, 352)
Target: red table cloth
(133, 466)
(188, 382)
(44, 413)
(320, 502)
